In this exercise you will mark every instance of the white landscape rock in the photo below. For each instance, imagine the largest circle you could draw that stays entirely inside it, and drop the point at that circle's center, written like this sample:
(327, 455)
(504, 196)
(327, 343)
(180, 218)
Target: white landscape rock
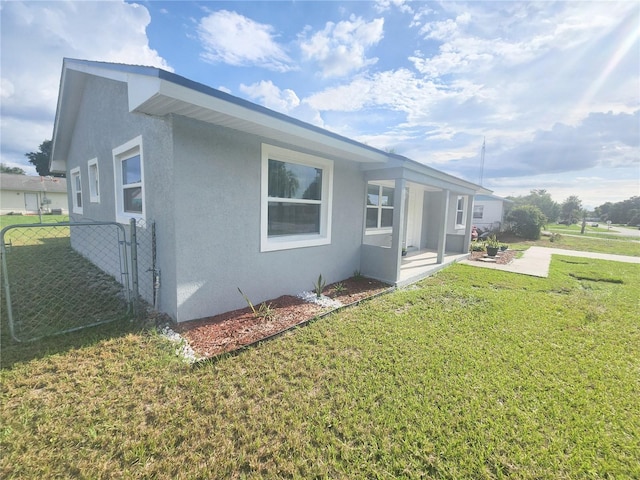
(323, 301)
(184, 350)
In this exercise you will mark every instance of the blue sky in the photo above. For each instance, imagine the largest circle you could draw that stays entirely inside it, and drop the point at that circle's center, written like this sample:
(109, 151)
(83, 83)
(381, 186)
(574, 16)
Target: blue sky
(554, 87)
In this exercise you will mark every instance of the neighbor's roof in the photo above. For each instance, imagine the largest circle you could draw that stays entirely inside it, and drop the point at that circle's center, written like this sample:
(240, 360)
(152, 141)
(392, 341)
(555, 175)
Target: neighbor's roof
(26, 183)
(493, 197)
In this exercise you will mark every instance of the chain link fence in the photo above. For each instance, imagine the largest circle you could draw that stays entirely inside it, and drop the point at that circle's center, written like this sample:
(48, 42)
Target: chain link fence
(63, 277)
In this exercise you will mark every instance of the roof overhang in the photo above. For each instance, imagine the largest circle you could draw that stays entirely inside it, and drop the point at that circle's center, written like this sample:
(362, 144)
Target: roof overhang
(159, 93)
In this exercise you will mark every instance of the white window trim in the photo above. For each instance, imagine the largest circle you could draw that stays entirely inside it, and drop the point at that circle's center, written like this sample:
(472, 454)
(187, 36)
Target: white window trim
(478, 209)
(378, 230)
(269, 244)
(75, 172)
(94, 183)
(463, 210)
(123, 152)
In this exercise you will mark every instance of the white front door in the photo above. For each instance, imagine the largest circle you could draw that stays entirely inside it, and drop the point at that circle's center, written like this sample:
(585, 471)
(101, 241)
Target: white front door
(31, 202)
(415, 200)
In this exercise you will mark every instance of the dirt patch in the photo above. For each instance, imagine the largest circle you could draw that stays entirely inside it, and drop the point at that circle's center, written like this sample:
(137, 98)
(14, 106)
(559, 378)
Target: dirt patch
(233, 330)
(503, 258)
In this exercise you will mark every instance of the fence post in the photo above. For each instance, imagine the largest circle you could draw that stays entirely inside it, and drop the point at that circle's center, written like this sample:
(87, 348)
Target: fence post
(134, 268)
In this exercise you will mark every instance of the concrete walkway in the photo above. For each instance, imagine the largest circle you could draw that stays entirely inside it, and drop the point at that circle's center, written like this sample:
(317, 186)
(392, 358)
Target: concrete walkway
(536, 260)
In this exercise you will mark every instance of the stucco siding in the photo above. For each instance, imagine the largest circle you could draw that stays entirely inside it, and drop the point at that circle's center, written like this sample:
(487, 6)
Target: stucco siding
(104, 123)
(218, 224)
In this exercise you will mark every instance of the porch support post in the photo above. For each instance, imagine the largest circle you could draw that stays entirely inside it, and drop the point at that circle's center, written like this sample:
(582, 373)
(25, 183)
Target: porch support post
(468, 224)
(399, 202)
(442, 228)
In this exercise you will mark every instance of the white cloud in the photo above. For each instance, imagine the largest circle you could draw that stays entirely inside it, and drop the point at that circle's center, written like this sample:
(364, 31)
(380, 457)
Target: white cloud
(402, 5)
(340, 48)
(271, 96)
(284, 101)
(35, 38)
(231, 38)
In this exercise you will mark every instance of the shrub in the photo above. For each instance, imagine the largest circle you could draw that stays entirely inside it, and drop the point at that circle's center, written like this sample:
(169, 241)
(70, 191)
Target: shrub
(526, 222)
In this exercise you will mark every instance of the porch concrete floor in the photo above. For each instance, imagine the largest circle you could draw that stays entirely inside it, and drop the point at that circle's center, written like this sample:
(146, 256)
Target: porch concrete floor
(420, 264)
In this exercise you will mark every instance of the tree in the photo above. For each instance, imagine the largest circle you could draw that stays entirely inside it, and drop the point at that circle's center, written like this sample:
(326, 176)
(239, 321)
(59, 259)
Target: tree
(537, 198)
(526, 221)
(15, 170)
(571, 210)
(41, 159)
(626, 211)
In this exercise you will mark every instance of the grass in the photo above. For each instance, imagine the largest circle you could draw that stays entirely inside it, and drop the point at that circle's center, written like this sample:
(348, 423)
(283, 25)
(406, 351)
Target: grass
(609, 244)
(590, 232)
(472, 373)
(53, 287)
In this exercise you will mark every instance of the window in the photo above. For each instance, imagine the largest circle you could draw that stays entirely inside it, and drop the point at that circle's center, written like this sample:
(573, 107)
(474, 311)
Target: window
(76, 190)
(296, 199)
(460, 212)
(478, 211)
(94, 181)
(129, 180)
(379, 207)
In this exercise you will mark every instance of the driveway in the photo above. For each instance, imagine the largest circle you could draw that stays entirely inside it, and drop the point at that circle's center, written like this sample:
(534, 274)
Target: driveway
(536, 260)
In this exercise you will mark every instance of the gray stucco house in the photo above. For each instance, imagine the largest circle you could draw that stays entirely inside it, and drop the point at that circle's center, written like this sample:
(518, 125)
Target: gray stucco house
(243, 196)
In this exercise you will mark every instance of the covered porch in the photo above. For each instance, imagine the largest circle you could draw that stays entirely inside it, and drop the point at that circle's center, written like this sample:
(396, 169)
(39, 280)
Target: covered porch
(424, 263)
(421, 212)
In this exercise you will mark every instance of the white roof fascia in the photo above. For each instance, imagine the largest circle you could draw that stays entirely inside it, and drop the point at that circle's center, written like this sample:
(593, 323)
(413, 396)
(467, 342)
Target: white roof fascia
(143, 91)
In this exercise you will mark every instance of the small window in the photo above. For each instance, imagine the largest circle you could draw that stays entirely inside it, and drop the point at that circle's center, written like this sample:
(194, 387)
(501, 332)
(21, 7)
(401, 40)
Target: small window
(379, 207)
(94, 181)
(478, 211)
(129, 177)
(460, 212)
(76, 190)
(296, 199)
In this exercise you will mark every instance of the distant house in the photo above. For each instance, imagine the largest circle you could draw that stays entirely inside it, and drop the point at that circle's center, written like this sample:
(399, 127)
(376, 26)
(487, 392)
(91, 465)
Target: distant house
(488, 212)
(243, 196)
(23, 194)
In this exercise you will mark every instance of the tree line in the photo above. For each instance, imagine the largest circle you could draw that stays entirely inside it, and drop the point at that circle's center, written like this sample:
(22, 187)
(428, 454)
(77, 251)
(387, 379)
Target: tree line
(526, 215)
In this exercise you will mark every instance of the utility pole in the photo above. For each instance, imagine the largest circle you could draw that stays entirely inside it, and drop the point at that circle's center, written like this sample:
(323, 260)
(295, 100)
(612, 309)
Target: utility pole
(482, 160)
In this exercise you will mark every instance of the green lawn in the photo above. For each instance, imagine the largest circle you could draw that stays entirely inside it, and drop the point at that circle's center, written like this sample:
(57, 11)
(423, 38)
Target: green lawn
(472, 373)
(587, 243)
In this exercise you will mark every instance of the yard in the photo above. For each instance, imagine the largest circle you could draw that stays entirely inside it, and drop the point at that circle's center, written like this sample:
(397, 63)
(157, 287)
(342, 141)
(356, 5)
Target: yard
(472, 373)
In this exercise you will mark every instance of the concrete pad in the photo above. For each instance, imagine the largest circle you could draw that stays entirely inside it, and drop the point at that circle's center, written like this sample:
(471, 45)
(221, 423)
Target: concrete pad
(536, 260)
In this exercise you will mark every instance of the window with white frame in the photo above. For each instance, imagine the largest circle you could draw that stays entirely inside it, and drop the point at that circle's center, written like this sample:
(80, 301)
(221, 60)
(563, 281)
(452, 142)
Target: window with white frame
(128, 165)
(460, 212)
(76, 190)
(94, 181)
(296, 199)
(478, 212)
(379, 207)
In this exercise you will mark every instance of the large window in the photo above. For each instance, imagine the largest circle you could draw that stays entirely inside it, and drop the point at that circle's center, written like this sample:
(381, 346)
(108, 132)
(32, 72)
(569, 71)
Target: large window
(129, 178)
(296, 199)
(94, 181)
(76, 190)
(379, 207)
(478, 212)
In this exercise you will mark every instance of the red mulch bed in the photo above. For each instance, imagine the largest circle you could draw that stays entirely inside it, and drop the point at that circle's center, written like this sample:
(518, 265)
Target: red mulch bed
(233, 330)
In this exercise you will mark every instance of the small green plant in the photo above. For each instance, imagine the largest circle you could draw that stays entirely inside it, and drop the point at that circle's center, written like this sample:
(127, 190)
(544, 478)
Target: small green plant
(477, 247)
(555, 237)
(246, 299)
(264, 311)
(492, 242)
(318, 287)
(357, 275)
(339, 288)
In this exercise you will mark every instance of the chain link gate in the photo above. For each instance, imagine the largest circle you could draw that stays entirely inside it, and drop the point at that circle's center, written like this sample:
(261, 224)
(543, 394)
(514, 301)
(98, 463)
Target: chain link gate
(63, 277)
